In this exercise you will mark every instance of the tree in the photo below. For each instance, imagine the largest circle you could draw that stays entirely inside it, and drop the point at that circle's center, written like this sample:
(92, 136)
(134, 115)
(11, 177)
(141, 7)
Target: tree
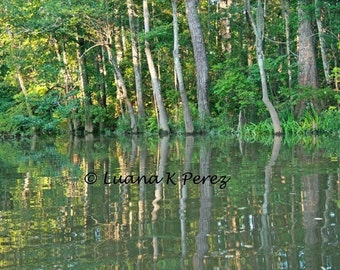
(189, 127)
(136, 59)
(60, 72)
(308, 75)
(285, 12)
(201, 61)
(323, 49)
(124, 94)
(84, 83)
(160, 108)
(258, 28)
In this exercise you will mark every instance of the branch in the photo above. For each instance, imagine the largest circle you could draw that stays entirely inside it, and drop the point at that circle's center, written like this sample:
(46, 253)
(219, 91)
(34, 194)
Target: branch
(251, 17)
(89, 49)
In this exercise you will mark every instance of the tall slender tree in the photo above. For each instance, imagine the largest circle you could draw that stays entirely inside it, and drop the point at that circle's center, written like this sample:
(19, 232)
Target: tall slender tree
(258, 28)
(201, 61)
(323, 49)
(156, 86)
(189, 127)
(285, 12)
(84, 83)
(136, 59)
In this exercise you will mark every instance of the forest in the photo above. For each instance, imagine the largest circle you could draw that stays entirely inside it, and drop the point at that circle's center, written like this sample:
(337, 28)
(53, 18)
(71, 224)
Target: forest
(241, 67)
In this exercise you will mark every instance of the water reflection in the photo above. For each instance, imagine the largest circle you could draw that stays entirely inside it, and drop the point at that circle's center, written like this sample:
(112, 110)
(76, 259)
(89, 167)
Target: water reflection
(278, 211)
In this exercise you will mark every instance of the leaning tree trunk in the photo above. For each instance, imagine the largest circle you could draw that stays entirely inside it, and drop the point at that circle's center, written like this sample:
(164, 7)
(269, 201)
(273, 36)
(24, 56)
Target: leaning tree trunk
(136, 60)
(123, 87)
(201, 61)
(189, 127)
(258, 27)
(156, 86)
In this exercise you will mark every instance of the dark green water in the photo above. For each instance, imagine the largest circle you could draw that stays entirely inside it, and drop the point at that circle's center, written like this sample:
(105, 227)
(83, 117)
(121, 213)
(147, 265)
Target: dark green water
(261, 206)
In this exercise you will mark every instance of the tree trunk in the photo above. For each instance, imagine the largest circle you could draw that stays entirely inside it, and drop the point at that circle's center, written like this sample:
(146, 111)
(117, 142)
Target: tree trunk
(258, 28)
(201, 62)
(124, 90)
(74, 118)
(306, 54)
(66, 76)
(225, 31)
(101, 85)
(24, 91)
(307, 76)
(285, 11)
(160, 108)
(84, 84)
(189, 127)
(323, 48)
(136, 60)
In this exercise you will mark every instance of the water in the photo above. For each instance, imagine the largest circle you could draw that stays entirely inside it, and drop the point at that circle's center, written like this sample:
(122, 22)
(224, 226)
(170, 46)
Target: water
(272, 206)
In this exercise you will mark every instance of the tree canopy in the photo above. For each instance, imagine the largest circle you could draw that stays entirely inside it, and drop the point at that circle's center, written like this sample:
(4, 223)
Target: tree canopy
(80, 66)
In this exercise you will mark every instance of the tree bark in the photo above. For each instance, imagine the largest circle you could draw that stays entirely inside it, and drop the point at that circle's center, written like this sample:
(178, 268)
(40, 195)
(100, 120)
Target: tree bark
(308, 74)
(201, 61)
(189, 127)
(160, 108)
(258, 28)
(136, 60)
(306, 53)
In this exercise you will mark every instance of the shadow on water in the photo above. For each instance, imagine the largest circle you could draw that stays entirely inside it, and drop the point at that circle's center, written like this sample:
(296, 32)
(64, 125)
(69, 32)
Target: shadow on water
(161, 204)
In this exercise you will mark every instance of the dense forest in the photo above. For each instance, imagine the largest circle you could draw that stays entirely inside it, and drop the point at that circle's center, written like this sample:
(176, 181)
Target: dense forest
(219, 66)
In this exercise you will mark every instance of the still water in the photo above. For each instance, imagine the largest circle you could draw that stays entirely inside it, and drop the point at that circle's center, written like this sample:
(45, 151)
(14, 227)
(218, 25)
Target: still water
(170, 203)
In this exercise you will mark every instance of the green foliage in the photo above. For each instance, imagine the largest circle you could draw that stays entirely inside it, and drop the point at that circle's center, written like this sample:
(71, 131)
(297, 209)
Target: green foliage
(255, 132)
(336, 74)
(122, 125)
(233, 90)
(337, 203)
(151, 124)
(14, 121)
(160, 33)
(311, 122)
(291, 127)
(32, 33)
(330, 120)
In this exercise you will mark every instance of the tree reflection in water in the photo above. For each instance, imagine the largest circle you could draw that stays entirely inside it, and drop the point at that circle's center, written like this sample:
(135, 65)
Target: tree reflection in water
(287, 221)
